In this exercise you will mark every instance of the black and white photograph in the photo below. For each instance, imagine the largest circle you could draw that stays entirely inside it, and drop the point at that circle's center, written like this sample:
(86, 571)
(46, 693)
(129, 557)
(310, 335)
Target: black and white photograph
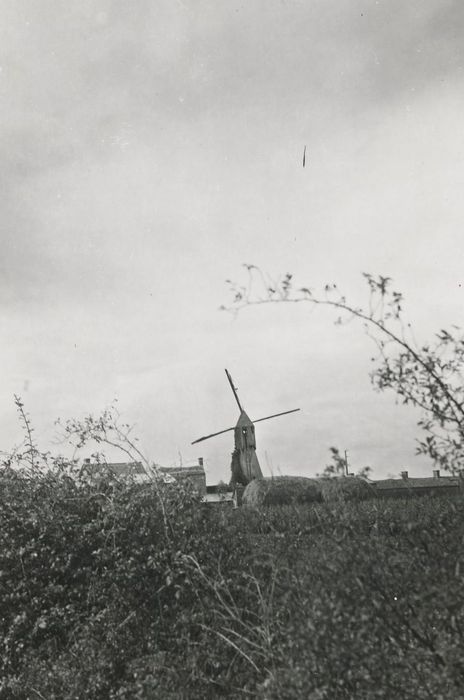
(232, 313)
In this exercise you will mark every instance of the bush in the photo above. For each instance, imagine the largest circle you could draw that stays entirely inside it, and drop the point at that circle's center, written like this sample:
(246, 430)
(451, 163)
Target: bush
(100, 600)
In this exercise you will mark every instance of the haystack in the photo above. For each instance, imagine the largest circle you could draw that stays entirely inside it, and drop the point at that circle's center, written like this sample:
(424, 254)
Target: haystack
(345, 488)
(281, 490)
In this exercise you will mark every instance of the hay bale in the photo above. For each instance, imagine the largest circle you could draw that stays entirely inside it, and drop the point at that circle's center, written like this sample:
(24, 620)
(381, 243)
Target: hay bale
(281, 490)
(345, 488)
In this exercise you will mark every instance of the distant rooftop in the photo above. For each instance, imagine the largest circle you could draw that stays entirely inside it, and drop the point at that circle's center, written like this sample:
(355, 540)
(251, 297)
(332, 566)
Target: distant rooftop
(141, 474)
(419, 482)
(123, 468)
(183, 471)
(134, 470)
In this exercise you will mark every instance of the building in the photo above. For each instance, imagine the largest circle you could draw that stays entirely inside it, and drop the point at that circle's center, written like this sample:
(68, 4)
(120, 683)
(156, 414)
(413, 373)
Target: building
(135, 471)
(193, 476)
(218, 495)
(141, 474)
(422, 486)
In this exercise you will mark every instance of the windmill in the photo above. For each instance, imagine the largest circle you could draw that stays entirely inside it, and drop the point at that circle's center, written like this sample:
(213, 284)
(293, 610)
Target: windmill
(245, 466)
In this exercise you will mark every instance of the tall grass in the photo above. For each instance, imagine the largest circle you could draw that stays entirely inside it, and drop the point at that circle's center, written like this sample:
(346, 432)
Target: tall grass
(331, 600)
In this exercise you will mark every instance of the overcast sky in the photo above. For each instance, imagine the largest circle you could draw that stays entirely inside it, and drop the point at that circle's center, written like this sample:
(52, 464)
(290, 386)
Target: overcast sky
(151, 148)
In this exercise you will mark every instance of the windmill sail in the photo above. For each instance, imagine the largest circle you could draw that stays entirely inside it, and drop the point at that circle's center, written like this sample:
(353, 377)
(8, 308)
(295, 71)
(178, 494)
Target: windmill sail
(274, 415)
(206, 437)
(227, 430)
(234, 389)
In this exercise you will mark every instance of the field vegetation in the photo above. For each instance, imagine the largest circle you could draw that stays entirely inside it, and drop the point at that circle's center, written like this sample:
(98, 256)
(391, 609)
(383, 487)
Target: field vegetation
(112, 590)
(117, 591)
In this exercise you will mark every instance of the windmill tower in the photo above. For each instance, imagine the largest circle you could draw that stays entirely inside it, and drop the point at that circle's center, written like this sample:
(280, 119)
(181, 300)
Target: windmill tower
(245, 465)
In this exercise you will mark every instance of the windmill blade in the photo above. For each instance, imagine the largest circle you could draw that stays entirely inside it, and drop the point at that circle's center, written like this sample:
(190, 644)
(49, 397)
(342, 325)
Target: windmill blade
(206, 437)
(227, 430)
(234, 389)
(274, 415)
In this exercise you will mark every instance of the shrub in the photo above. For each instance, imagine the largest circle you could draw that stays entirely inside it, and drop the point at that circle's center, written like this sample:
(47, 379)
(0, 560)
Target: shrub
(330, 600)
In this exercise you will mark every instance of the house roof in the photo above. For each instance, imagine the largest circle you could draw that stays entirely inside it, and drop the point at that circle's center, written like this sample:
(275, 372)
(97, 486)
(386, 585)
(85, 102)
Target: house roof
(141, 474)
(419, 483)
(135, 470)
(125, 468)
(218, 488)
(227, 497)
(197, 470)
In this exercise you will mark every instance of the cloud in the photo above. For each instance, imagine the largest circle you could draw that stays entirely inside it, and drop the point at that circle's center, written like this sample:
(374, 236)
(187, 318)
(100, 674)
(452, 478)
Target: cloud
(75, 76)
(148, 149)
